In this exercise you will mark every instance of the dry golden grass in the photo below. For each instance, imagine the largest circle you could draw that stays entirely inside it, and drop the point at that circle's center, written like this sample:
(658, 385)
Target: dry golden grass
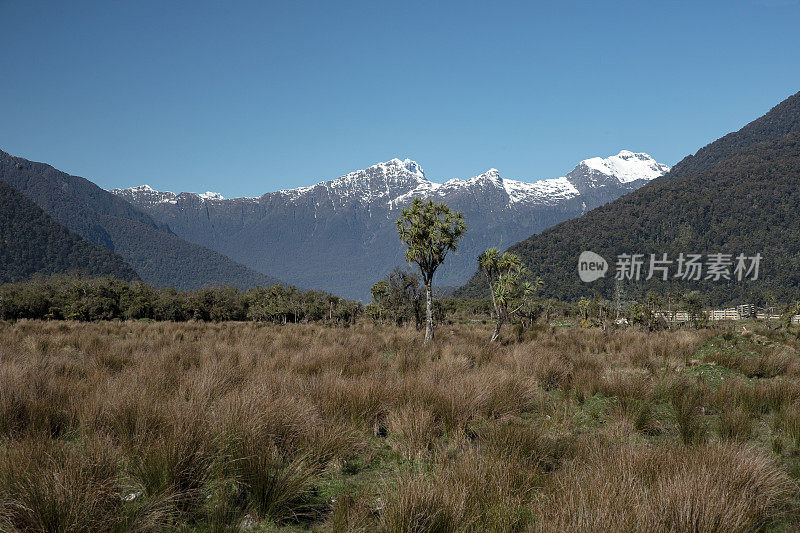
(196, 426)
(709, 488)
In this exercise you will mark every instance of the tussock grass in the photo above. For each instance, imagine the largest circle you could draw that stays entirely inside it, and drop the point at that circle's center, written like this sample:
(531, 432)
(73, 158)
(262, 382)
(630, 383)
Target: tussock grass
(735, 424)
(128, 426)
(413, 431)
(477, 492)
(47, 485)
(715, 487)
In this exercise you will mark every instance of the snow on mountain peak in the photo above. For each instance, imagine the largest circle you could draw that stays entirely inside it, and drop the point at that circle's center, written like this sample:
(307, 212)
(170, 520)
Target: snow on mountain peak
(622, 169)
(492, 175)
(379, 181)
(542, 192)
(392, 169)
(396, 181)
(146, 192)
(547, 191)
(409, 165)
(627, 166)
(208, 195)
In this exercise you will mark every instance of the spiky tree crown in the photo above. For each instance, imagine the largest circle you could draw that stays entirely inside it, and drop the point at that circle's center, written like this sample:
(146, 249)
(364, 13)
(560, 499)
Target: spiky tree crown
(430, 231)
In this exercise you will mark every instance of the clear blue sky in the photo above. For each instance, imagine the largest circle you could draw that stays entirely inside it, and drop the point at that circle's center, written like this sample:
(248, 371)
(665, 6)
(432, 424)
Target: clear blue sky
(248, 97)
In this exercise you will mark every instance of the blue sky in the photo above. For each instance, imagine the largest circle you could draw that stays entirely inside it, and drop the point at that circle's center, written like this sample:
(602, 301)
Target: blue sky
(248, 97)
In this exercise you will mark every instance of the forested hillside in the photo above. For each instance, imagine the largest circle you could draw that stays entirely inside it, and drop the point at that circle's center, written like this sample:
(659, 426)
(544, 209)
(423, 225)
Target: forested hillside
(156, 254)
(746, 204)
(782, 119)
(31, 242)
(737, 195)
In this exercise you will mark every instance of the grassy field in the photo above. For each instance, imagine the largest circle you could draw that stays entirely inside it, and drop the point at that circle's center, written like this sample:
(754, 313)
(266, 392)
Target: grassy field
(239, 426)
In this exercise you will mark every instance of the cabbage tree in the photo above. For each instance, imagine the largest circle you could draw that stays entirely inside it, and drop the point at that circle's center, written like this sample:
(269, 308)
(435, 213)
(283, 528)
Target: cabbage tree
(429, 231)
(508, 285)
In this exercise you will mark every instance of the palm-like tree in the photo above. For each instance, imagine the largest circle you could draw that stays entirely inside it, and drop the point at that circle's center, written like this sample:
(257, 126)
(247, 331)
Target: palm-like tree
(584, 305)
(429, 231)
(505, 273)
(489, 264)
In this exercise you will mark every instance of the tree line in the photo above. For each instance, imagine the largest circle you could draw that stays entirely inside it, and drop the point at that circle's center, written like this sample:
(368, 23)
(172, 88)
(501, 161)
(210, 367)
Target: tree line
(68, 297)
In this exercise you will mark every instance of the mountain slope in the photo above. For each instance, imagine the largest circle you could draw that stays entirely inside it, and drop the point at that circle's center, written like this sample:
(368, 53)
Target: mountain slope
(745, 204)
(734, 195)
(155, 253)
(31, 242)
(782, 119)
(340, 235)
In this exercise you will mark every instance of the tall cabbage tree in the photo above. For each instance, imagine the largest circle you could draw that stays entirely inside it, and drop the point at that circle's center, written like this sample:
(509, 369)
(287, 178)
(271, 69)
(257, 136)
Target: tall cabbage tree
(429, 231)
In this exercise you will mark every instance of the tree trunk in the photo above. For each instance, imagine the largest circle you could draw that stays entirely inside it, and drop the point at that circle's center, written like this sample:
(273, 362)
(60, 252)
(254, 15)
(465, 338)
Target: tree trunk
(497, 326)
(494, 300)
(428, 313)
(499, 322)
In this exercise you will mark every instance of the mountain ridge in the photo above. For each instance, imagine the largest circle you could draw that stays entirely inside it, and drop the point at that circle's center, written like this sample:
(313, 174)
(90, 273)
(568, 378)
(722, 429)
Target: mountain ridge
(597, 166)
(305, 235)
(780, 120)
(157, 254)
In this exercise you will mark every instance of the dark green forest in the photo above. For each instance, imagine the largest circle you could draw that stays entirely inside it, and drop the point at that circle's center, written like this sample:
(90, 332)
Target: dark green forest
(33, 243)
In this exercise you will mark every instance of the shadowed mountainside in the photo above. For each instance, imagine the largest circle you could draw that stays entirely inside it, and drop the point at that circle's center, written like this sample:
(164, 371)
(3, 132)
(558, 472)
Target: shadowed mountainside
(31, 242)
(156, 254)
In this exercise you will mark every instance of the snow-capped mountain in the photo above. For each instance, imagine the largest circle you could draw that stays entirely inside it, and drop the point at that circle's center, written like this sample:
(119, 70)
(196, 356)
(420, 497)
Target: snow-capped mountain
(339, 235)
(145, 194)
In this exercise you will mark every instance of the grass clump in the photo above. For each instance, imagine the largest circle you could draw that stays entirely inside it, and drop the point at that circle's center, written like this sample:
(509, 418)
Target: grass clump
(54, 486)
(712, 487)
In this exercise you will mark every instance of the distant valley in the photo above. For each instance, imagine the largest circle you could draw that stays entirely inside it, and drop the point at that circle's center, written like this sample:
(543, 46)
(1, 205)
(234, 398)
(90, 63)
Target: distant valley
(339, 235)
